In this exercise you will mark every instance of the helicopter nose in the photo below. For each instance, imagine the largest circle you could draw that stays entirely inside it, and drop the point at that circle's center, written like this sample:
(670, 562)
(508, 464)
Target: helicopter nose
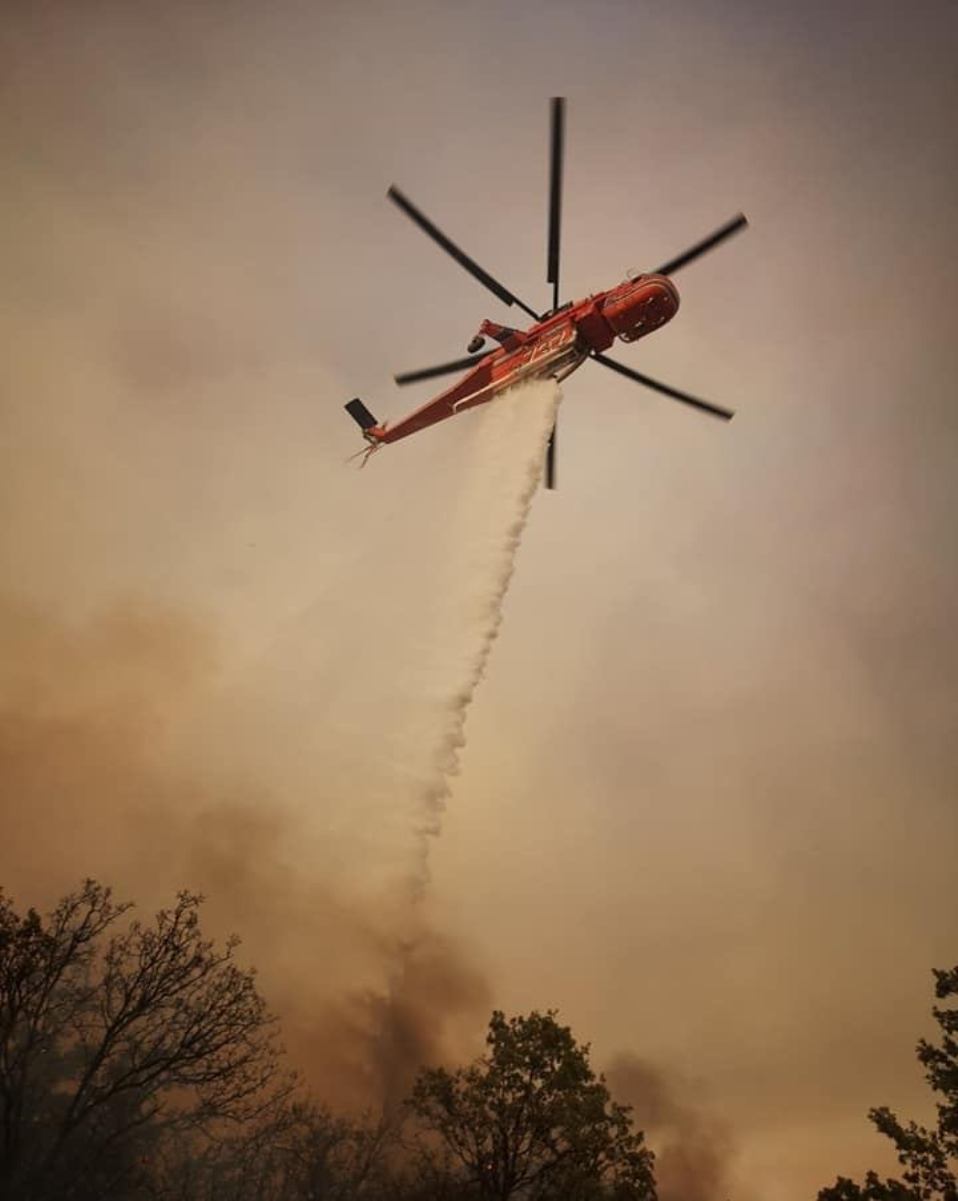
(661, 297)
(648, 304)
(669, 289)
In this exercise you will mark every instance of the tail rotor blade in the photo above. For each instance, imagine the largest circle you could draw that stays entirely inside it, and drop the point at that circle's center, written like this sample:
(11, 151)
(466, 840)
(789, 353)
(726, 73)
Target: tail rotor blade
(412, 377)
(450, 247)
(730, 227)
(360, 414)
(665, 389)
(557, 144)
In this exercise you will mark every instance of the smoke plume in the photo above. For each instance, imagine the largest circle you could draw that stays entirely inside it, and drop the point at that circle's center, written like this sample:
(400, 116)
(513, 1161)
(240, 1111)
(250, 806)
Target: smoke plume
(299, 791)
(693, 1152)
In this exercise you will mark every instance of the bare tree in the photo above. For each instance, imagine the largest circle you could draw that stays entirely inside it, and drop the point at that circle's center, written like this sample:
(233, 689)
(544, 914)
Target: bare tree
(300, 1151)
(332, 1158)
(113, 1040)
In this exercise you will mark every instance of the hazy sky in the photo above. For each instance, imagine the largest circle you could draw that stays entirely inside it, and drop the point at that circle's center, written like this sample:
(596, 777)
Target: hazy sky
(706, 805)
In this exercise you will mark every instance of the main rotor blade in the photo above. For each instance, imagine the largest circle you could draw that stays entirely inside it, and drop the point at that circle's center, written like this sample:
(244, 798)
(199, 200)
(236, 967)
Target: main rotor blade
(410, 377)
(726, 231)
(551, 460)
(704, 405)
(555, 194)
(460, 256)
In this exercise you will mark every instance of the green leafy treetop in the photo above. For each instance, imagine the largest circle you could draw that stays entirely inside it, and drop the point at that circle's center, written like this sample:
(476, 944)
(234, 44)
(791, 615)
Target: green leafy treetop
(929, 1157)
(530, 1119)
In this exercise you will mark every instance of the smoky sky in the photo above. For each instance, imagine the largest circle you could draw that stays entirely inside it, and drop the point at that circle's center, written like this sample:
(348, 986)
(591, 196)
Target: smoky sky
(706, 804)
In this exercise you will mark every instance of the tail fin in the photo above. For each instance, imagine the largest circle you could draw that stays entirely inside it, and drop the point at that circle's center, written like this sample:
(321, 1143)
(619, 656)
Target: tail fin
(361, 415)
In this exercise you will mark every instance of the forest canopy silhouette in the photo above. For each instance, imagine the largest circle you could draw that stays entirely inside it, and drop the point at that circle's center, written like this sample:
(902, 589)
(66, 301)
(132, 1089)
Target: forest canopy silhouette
(137, 1059)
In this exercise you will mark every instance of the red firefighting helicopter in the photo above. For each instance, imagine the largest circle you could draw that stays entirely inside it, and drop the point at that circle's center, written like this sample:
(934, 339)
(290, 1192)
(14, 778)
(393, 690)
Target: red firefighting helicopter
(560, 341)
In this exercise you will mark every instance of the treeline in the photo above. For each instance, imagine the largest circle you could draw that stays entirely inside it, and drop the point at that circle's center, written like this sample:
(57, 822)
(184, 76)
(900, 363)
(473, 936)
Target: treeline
(138, 1062)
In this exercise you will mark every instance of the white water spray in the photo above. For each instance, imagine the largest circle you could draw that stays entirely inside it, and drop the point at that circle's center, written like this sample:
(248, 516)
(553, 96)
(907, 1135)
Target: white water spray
(356, 720)
(460, 593)
(485, 529)
(366, 696)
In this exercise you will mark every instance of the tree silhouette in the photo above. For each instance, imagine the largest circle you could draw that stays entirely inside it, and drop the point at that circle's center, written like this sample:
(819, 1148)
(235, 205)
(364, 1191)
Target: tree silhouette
(929, 1157)
(112, 1041)
(529, 1118)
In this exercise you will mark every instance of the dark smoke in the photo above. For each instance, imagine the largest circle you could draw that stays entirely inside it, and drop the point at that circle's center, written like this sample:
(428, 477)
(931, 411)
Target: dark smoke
(693, 1151)
(432, 1012)
(93, 781)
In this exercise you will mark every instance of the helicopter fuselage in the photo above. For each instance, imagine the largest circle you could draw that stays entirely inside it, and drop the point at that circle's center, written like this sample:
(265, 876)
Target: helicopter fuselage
(554, 346)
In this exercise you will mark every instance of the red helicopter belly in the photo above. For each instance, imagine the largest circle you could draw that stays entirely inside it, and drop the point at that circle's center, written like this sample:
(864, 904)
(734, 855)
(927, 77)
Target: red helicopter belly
(557, 352)
(538, 355)
(445, 404)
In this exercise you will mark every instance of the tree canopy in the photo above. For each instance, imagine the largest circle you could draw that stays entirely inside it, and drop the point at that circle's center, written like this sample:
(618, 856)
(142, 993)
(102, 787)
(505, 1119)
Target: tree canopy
(138, 1062)
(530, 1118)
(113, 1039)
(929, 1157)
